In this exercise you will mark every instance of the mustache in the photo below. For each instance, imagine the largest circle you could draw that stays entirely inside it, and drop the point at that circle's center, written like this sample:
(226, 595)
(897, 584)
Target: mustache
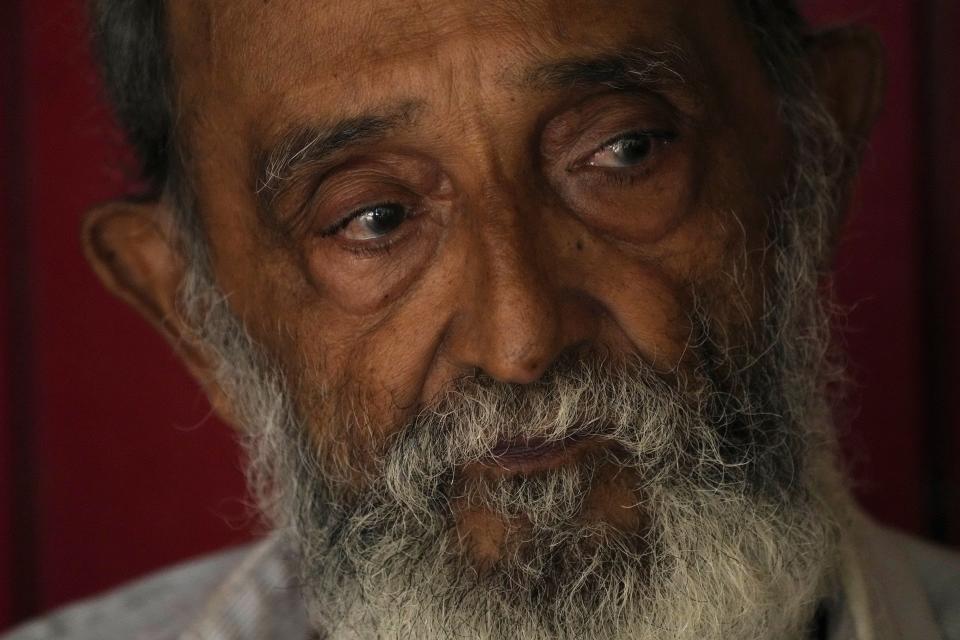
(665, 427)
(582, 395)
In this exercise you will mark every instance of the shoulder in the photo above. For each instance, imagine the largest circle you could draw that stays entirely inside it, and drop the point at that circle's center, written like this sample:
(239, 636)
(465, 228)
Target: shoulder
(937, 569)
(157, 607)
(939, 572)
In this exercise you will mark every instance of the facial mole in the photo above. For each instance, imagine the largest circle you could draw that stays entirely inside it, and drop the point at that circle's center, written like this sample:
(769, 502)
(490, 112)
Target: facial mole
(579, 245)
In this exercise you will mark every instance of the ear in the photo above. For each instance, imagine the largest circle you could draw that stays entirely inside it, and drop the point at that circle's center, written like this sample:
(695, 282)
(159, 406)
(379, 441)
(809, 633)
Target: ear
(847, 64)
(131, 247)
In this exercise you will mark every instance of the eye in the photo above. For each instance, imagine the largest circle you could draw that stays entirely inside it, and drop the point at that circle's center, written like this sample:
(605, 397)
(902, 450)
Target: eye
(629, 150)
(371, 223)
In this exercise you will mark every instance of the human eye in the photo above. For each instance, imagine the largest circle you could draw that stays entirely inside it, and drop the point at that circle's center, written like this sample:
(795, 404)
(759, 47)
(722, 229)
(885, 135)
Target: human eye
(371, 224)
(630, 150)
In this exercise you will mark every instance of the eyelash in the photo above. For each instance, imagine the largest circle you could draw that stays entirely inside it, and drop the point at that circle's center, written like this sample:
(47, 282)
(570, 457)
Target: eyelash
(342, 223)
(382, 248)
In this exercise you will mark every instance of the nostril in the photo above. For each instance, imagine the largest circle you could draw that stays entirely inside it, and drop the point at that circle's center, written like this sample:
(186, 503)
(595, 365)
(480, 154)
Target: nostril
(531, 366)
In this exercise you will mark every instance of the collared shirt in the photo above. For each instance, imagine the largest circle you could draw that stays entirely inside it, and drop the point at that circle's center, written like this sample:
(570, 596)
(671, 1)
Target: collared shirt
(894, 588)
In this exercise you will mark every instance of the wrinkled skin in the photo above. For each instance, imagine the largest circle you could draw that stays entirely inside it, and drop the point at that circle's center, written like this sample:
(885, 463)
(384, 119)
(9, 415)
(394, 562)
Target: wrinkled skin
(523, 240)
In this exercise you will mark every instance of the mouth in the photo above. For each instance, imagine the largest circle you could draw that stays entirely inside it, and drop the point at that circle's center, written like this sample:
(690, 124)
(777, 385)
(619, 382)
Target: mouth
(525, 455)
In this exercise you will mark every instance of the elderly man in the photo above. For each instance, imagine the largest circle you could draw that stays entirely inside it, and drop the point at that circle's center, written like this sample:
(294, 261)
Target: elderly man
(521, 309)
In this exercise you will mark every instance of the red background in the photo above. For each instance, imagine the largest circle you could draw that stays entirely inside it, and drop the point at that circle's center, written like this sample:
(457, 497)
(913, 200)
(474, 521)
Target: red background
(111, 466)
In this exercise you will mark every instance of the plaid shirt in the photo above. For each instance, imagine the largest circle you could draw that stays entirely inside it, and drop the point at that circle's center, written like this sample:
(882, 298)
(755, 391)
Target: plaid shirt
(894, 588)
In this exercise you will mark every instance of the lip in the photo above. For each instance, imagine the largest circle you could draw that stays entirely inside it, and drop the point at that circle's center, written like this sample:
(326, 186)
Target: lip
(535, 454)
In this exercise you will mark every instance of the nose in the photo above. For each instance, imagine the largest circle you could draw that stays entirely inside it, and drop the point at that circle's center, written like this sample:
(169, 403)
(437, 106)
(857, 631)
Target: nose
(516, 318)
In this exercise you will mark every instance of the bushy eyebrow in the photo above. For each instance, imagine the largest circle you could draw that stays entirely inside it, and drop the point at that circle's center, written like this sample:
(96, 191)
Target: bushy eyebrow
(643, 68)
(312, 145)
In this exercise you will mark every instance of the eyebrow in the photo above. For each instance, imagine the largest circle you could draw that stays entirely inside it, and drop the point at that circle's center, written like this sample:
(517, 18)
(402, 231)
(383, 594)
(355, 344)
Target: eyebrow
(306, 146)
(632, 68)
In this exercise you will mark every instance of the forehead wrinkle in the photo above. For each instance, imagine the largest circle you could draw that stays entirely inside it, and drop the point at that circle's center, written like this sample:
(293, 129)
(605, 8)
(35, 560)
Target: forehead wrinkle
(239, 33)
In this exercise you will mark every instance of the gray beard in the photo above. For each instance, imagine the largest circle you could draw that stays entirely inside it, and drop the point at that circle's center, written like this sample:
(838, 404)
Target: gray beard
(732, 466)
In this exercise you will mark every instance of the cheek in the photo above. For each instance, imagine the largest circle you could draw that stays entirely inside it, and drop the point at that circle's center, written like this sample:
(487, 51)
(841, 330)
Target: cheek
(354, 402)
(649, 307)
(374, 366)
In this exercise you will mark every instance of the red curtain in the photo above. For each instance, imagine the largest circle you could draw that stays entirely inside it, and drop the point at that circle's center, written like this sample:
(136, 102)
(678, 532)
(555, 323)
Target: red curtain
(111, 465)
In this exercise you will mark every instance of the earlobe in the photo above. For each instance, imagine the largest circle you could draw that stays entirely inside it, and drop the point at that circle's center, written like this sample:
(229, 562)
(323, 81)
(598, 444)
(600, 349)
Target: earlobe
(847, 64)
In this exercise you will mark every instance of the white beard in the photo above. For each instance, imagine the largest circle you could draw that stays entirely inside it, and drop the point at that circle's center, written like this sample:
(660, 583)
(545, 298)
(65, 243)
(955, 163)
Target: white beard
(739, 541)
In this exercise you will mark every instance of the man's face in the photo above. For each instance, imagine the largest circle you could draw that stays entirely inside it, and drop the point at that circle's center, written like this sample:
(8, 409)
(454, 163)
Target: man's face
(510, 263)
(397, 194)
